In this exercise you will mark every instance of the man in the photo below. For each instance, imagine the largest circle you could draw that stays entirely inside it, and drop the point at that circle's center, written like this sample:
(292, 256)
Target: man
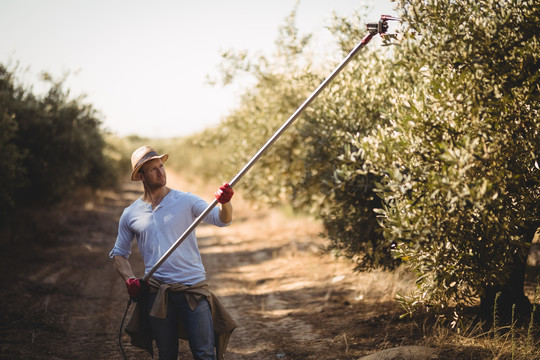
(178, 300)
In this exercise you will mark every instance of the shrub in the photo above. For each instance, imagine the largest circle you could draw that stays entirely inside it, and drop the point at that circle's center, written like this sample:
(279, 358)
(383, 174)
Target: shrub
(51, 146)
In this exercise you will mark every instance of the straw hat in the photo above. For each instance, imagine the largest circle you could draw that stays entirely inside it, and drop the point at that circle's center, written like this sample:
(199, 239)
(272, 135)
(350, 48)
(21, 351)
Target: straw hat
(141, 156)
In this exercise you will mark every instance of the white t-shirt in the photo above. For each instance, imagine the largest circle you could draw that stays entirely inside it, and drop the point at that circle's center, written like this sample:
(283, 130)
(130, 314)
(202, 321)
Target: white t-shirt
(157, 230)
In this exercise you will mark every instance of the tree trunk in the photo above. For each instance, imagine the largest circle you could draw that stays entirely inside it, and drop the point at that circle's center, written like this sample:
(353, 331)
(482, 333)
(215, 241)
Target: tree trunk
(510, 293)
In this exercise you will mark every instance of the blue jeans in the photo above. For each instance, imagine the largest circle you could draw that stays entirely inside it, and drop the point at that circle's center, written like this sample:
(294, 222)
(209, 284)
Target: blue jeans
(198, 325)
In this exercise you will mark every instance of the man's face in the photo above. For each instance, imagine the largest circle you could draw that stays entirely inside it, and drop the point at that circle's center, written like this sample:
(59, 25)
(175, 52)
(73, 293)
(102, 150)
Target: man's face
(153, 174)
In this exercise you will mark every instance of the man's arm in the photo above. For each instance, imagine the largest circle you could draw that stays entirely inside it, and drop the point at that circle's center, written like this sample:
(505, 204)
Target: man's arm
(121, 264)
(134, 285)
(223, 196)
(225, 212)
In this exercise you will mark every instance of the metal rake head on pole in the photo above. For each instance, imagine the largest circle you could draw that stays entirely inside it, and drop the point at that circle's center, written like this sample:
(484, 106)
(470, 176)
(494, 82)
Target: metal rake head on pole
(373, 29)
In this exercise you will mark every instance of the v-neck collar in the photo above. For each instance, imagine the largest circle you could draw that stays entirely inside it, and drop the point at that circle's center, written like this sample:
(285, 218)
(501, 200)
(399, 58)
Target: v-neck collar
(149, 206)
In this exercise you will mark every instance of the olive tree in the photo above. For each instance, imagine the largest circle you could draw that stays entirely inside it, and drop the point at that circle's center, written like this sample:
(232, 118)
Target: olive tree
(10, 161)
(459, 156)
(51, 145)
(424, 153)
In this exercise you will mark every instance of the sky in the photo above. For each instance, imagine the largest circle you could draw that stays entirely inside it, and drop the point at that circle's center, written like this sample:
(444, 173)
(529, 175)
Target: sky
(144, 65)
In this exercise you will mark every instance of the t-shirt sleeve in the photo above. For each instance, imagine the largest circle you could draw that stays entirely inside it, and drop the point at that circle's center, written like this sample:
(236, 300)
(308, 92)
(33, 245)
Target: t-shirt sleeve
(199, 205)
(122, 247)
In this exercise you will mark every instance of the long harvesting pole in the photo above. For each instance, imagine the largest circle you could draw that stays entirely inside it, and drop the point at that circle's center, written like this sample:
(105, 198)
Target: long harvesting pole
(381, 27)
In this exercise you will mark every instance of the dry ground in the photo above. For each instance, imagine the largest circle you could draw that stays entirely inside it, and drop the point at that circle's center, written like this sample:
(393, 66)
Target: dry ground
(65, 301)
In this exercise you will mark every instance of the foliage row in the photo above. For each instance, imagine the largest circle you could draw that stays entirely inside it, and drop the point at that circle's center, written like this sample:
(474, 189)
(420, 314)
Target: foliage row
(50, 146)
(424, 153)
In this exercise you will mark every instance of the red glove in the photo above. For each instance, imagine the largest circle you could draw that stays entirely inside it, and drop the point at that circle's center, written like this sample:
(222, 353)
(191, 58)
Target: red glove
(133, 287)
(224, 193)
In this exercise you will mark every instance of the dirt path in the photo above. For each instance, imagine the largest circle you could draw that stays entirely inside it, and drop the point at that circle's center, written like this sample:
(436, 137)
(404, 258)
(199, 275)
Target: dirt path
(65, 301)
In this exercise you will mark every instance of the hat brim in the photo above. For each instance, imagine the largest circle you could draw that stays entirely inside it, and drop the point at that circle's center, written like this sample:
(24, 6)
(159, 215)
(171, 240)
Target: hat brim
(134, 177)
